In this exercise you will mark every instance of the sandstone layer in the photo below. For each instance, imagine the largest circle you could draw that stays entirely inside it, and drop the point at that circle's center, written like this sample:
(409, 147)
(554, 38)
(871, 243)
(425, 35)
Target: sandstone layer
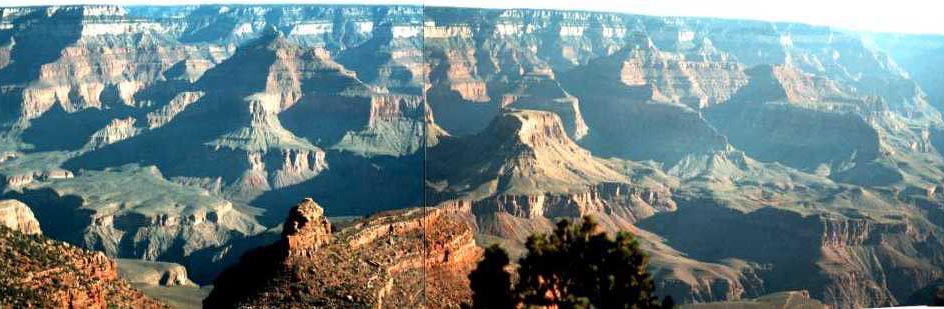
(184, 133)
(404, 258)
(18, 217)
(40, 272)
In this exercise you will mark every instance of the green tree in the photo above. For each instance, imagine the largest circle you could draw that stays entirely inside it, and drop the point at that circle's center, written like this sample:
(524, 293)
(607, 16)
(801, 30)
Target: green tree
(491, 283)
(576, 266)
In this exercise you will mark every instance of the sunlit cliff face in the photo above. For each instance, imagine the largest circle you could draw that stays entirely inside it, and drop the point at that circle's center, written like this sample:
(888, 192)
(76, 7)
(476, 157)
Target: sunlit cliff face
(749, 157)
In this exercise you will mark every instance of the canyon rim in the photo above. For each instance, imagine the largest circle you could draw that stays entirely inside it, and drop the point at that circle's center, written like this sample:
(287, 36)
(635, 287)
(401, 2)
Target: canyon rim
(363, 155)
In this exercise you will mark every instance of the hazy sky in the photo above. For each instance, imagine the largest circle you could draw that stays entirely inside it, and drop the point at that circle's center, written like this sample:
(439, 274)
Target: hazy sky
(915, 16)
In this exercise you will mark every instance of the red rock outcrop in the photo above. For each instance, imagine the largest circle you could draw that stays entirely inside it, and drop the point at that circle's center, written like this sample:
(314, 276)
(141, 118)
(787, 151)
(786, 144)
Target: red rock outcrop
(306, 229)
(39, 272)
(404, 258)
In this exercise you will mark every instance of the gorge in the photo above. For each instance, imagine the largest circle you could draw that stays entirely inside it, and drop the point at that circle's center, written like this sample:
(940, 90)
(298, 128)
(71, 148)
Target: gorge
(749, 157)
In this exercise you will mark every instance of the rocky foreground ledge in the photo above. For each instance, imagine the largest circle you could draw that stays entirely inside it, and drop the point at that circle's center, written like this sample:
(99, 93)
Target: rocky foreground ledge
(404, 258)
(43, 273)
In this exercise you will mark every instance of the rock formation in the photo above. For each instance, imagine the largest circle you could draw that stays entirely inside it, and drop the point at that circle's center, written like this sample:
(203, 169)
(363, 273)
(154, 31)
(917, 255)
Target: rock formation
(182, 133)
(791, 299)
(411, 257)
(725, 112)
(134, 212)
(528, 150)
(40, 272)
(18, 217)
(543, 93)
(527, 181)
(306, 229)
(141, 272)
(525, 165)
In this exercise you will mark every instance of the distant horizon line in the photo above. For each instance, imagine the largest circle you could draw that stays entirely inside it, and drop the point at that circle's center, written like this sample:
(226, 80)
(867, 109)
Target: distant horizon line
(593, 7)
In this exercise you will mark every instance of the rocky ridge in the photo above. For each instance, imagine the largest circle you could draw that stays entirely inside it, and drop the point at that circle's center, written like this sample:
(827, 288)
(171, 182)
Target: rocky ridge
(657, 118)
(41, 272)
(748, 104)
(791, 299)
(381, 261)
(94, 211)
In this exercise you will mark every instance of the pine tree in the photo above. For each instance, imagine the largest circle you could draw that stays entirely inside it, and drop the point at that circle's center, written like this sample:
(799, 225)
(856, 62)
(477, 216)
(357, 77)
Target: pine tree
(576, 266)
(491, 283)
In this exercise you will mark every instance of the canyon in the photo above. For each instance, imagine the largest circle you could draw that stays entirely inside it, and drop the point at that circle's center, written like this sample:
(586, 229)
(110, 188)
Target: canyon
(755, 161)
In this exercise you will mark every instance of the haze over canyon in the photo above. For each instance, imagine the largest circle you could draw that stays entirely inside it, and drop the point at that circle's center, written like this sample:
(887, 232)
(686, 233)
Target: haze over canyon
(343, 156)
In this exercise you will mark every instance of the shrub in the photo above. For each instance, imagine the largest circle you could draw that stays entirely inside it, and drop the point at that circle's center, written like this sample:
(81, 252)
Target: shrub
(575, 266)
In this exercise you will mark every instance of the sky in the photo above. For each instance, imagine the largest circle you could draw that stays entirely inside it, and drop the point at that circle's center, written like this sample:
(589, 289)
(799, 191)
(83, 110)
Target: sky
(907, 16)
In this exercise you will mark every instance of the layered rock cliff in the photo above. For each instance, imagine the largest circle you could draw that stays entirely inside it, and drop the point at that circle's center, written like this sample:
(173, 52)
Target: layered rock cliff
(791, 299)
(741, 114)
(524, 152)
(135, 213)
(18, 217)
(521, 116)
(114, 73)
(851, 261)
(40, 272)
(525, 165)
(521, 179)
(413, 257)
